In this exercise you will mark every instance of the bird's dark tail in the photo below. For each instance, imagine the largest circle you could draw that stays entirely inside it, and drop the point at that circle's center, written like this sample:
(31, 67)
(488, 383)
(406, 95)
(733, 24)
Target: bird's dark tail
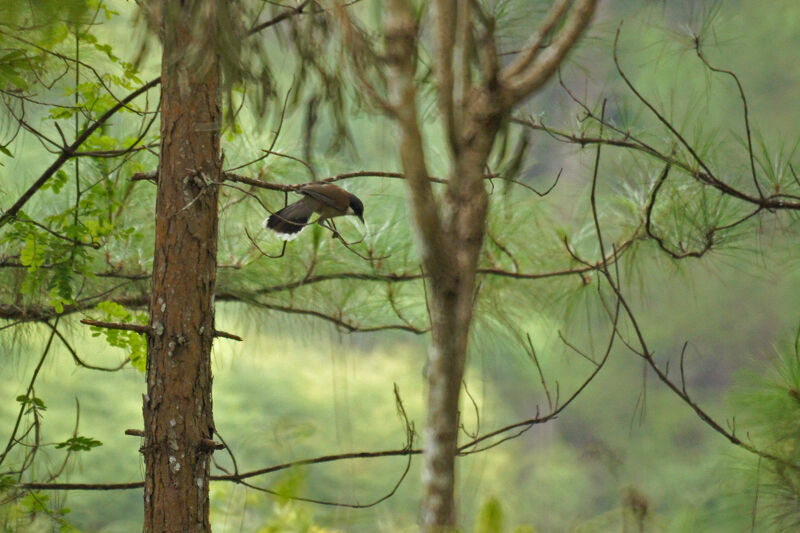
(289, 221)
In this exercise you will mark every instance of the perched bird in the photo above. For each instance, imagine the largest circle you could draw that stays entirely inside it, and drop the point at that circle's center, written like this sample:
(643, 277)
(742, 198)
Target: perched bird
(325, 199)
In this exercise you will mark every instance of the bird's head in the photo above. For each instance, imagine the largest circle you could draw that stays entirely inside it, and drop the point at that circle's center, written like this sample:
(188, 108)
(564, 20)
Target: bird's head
(356, 207)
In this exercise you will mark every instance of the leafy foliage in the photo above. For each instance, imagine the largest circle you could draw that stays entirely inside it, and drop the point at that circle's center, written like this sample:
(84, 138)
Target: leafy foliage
(769, 406)
(134, 343)
(79, 444)
(24, 513)
(33, 403)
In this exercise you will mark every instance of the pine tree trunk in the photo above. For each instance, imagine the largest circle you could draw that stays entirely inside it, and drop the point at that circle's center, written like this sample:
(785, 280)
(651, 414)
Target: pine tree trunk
(452, 302)
(177, 407)
(446, 359)
(450, 236)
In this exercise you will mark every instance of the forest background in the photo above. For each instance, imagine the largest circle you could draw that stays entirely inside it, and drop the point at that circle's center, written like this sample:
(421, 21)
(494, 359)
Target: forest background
(302, 385)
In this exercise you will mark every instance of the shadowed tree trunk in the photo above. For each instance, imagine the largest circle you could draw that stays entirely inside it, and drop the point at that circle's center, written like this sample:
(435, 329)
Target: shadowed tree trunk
(177, 407)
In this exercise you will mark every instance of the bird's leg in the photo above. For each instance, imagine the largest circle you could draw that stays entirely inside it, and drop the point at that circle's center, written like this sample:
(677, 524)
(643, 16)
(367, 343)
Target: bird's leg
(326, 223)
(333, 227)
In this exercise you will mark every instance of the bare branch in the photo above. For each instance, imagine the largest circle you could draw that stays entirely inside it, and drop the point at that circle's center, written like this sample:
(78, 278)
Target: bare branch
(145, 329)
(524, 425)
(401, 53)
(532, 49)
(522, 78)
(77, 359)
(745, 111)
(446, 20)
(338, 320)
(138, 328)
(12, 439)
(290, 12)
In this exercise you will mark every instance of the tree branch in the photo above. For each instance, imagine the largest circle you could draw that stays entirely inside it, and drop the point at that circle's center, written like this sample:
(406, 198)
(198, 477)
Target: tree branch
(523, 77)
(70, 150)
(401, 53)
(290, 12)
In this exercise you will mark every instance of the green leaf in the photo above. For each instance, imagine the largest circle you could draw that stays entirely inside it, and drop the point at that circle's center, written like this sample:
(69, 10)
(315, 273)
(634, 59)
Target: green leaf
(134, 343)
(102, 142)
(106, 49)
(34, 403)
(9, 74)
(79, 444)
(32, 254)
(33, 280)
(60, 285)
(490, 517)
(58, 305)
(88, 37)
(6, 482)
(35, 502)
(5, 151)
(62, 112)
(12, 56)
(138, 352)
(115, 311)
(56, 182)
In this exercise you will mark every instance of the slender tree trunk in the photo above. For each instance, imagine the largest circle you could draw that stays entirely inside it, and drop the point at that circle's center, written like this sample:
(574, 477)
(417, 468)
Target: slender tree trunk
(177, 407)
(449, 237)
(450, 233)
(446, 359)
(452, 302)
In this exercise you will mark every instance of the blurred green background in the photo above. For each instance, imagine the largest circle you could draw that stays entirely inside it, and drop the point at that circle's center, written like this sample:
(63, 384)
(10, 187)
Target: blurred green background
(298, 388)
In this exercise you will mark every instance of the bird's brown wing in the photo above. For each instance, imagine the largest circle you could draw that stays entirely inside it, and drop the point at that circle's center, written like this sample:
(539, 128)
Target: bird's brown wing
(327, 194)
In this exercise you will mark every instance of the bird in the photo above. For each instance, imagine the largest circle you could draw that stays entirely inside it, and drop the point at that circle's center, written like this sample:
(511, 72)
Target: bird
(325, 199)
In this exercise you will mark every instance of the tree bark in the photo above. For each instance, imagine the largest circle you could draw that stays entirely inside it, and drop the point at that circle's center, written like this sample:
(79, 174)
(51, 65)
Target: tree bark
(450, 233)
(177, 406)
(450, 237)
(452, 300)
